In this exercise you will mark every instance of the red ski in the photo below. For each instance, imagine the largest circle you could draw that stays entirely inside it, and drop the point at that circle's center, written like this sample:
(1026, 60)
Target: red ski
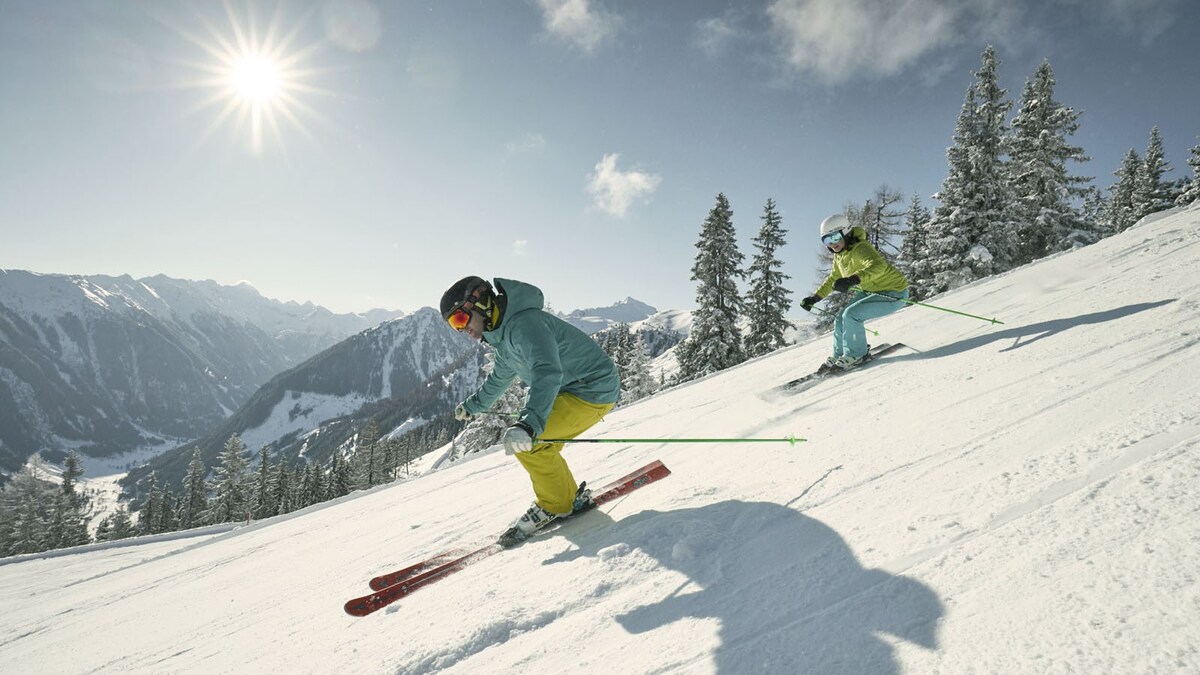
(395, 585)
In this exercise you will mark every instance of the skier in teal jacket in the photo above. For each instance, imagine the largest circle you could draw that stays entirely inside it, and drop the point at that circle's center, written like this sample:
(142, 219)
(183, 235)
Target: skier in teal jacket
(572, 385)
(856, 265)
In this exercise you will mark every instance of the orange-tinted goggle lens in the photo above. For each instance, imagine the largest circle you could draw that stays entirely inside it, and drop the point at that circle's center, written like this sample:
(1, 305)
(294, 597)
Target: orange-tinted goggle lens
(459, 319)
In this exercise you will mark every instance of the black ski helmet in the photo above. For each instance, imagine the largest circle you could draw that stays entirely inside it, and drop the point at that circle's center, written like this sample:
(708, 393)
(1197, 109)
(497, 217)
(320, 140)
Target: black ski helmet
(474, 290)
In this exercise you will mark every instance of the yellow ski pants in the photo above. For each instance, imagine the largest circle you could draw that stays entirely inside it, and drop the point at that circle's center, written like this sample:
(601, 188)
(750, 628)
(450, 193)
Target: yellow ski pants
(553, 484)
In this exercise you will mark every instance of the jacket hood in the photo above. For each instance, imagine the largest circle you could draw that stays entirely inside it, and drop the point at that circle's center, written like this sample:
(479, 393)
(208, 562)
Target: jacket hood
(520, 296)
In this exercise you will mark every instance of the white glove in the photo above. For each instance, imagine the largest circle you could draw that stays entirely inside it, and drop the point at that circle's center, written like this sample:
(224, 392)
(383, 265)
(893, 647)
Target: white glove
(517, 439)
(461, 414)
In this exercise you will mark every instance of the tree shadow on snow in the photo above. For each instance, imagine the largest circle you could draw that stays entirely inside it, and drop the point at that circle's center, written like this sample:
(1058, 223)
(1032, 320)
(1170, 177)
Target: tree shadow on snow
(1034, 332)
(789, 594)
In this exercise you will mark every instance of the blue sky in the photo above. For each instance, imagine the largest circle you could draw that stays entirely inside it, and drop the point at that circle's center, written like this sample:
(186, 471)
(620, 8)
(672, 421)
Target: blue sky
(575, 144)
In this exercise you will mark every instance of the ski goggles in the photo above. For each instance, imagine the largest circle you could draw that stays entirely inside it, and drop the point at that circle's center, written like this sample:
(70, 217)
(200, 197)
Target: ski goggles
(459, 318)
(832, 238)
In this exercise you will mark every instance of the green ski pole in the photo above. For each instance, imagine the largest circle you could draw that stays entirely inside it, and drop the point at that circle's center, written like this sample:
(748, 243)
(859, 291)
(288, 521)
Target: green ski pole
(921, 304)
(790, 439)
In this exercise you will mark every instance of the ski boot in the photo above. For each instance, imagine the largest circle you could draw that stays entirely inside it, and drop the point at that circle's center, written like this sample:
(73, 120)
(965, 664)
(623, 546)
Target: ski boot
(534, 519)
(829, 366)
(583, 499)
(848, 362)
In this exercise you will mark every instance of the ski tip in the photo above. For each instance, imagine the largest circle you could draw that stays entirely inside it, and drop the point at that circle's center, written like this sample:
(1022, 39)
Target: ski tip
(358, 607)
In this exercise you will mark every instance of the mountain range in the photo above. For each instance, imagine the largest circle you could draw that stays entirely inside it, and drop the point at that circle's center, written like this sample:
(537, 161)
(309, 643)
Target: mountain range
(107, 364)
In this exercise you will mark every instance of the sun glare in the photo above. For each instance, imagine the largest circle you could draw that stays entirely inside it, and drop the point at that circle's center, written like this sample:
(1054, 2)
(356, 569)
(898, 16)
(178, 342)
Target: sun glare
(257, 78)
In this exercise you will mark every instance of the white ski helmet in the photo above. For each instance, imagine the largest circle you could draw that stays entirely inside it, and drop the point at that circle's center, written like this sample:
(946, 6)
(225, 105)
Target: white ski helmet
(836, 223)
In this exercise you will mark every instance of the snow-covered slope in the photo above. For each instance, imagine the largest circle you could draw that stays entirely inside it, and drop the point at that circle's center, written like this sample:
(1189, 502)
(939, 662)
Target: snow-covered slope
(998, 499)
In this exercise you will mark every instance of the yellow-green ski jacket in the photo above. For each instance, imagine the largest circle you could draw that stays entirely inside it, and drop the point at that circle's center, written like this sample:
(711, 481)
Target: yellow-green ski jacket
(861, 258)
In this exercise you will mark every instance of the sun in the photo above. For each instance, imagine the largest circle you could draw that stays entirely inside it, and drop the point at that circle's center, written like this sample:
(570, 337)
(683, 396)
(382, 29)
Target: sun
(257, 79)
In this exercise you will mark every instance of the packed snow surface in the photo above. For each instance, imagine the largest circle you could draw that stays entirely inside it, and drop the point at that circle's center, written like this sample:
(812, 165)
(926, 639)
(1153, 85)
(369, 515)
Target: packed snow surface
(1015, 498)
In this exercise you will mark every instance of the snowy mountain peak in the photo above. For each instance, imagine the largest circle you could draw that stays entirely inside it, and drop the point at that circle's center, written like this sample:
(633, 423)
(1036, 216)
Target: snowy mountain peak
(596, 319)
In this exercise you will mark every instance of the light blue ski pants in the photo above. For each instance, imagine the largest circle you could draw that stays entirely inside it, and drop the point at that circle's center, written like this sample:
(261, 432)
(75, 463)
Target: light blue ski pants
(849, 333)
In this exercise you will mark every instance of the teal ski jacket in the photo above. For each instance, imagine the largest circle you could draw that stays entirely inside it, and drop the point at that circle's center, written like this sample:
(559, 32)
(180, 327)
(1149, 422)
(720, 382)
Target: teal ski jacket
(548, 354)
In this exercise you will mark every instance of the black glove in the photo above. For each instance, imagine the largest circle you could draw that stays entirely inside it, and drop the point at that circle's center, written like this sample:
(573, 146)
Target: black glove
(842, 285)
(807, 303)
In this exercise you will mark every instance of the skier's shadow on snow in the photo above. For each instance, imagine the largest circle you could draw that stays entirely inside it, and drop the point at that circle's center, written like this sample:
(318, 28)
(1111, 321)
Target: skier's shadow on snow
(788, 593)
(1027, 335)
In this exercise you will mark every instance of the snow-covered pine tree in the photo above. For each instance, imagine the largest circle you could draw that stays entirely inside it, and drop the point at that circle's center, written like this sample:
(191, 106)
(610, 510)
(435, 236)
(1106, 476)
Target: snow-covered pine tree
(193, 508)
(405, 454)
(65, 527)
(948, 235)
(639, 383)
(1092, 211)
(715, 342)
(995, 203)
(296, 480)
(390, 454)
(103, 529)
(1121, 209)
(1152, 194)
(264, 506)
(1191, 188)
(767, 302)
(25, 498)
(168, 512)
(121, 525)
(148, 517)
(71, 506)
(313, 489)
(1045, 194)
(72, 471)
(914, 257)
(972, 234)
(341, 482)
(281, 486)
(619, 344)
(230, 482)
(366, 459)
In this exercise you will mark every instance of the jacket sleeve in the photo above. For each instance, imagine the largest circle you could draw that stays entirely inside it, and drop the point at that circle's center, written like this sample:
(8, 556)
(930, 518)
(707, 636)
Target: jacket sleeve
(539, 349)
(497, 382)
(827, 285)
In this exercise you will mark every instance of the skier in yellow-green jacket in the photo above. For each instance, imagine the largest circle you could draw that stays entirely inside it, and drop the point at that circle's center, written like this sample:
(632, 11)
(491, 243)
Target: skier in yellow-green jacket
(856, 265)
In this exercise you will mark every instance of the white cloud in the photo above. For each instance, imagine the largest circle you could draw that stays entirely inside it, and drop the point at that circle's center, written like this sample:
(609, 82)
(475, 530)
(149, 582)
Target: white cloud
(354, 25)
(527, 143)
(839, 39)
(614, 190)
(520, 246)
(713, 36)
(578, 22)
(1144, 19)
